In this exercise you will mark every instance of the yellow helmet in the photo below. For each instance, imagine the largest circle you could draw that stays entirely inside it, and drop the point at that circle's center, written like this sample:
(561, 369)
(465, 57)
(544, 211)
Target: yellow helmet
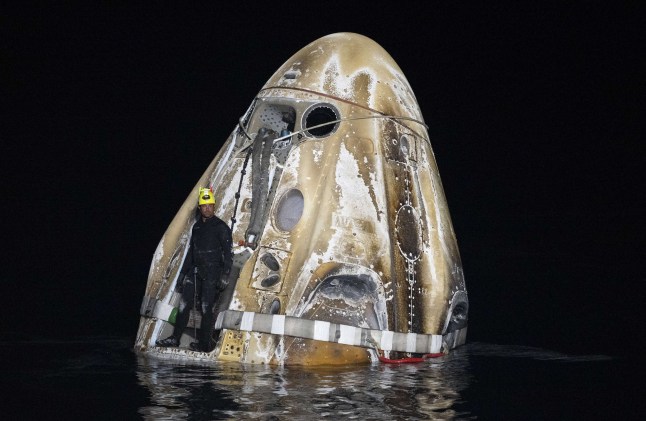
(206, 196)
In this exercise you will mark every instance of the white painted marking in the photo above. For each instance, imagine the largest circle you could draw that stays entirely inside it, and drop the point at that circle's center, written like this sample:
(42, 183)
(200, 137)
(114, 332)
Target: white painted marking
(347, 334)
(278, 324)
(247, 321)
(321, 331)
(436, 344)
(162, 310)
(386, 340)
(411, 340)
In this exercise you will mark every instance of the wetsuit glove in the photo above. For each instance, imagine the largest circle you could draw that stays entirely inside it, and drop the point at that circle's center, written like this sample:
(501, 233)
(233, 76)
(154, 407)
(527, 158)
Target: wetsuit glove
(181, 281)
(223, 283)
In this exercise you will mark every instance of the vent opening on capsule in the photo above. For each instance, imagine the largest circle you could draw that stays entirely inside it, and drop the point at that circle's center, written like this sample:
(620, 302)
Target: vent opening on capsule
(270, 281)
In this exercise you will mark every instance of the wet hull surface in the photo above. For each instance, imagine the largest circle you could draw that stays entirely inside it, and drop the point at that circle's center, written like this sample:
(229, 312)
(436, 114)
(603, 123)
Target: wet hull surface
(345, 251)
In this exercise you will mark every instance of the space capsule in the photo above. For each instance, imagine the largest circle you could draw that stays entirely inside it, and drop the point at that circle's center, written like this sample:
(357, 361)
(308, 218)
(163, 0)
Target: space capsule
(344, 250)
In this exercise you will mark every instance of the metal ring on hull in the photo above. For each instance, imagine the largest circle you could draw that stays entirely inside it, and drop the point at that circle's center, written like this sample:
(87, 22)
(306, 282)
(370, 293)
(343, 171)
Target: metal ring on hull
(384, 340)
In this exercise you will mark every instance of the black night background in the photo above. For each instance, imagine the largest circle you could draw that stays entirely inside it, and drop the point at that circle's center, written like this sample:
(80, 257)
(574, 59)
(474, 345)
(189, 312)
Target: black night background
(111, 113)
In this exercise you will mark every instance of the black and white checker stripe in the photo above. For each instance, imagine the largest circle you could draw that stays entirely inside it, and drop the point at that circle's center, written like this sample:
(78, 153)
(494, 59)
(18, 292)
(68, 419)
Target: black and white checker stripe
(343, 334)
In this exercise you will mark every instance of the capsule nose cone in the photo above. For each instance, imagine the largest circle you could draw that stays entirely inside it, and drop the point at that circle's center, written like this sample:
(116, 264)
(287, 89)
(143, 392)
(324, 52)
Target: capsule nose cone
(352, 68)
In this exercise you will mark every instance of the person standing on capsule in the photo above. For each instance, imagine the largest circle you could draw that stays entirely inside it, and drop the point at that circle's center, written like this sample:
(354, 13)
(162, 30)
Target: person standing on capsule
(204, 274)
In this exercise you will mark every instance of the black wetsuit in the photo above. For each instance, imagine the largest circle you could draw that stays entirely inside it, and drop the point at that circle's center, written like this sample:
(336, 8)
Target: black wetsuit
(208, 260)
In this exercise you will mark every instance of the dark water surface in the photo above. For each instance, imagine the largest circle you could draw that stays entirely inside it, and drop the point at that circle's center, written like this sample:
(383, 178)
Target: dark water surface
(102, 378)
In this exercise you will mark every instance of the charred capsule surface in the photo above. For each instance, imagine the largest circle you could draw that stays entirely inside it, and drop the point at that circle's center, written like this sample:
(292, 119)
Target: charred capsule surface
(334, 195)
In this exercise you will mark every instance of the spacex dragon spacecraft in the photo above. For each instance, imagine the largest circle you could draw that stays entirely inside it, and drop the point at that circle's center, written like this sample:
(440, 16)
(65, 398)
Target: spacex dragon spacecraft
(344, 250)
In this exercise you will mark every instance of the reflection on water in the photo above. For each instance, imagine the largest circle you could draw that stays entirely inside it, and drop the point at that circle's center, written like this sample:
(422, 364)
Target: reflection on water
(232, 391)
(102, 378)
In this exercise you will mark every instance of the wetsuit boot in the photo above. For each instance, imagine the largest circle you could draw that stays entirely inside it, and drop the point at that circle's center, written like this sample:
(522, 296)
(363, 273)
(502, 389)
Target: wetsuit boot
(170, 341)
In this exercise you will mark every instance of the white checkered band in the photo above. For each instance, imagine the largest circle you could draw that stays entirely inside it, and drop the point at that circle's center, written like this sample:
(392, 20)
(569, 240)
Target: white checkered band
(343, 334)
